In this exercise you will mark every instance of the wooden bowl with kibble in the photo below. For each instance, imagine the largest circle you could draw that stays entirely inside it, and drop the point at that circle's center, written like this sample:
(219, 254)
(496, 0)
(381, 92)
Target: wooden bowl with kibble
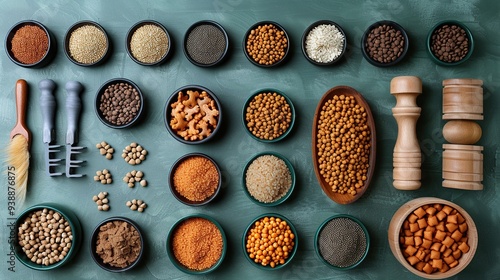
(343, 149)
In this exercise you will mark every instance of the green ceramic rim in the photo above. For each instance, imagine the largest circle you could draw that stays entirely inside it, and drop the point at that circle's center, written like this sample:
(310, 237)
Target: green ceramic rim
(76, 229)
(292, 108)
(290, 256)
(469, 35)
(292, 173)
(354, 219)
(181, 267)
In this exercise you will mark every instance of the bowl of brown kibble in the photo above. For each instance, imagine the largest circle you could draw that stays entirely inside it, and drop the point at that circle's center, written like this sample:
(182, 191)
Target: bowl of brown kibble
(268, 179)
(268, 115)
(29, 44)
(384, 43)
(148, 43)
(86, 43)
(60, 246)
(117, 244)
(193, 114)
(195, 179)
(432, 238)
(196, 244)
(281, 236)
(450, 43)
(266, 44)
(119, 103)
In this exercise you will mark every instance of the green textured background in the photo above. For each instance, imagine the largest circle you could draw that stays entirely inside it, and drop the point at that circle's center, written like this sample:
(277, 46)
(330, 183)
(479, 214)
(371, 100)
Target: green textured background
(233, 82)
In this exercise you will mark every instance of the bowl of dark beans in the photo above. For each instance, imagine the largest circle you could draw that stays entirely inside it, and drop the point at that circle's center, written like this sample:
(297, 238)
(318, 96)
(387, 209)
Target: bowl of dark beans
(384, 43)
(119, 103)
(450, 43)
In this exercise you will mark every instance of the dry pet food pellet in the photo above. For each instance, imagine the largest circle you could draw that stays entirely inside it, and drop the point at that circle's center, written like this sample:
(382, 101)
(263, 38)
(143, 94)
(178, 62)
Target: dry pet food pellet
(134, 176)
(103, 176)
(105, 149)
(136, 204)
(385, 44)
(149, 43)
(268, 115)
(196, 178)
(87, 44)
(268, 178)
(266, 44)
(197, 243)
(450, 43)
(45, 237)
(120, 103)
(134, 154)
(118, 244)
(102, 201)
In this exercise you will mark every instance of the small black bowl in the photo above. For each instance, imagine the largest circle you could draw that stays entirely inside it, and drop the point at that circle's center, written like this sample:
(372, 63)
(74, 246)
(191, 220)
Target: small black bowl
(130, 34)
(469, 37)
(306, 34)
(205, 46)
(245, 39)
(67, 38)
(49, 53)
(97, 103)
(168, 110)
(364, 39)
(93, 245)
(181, 198)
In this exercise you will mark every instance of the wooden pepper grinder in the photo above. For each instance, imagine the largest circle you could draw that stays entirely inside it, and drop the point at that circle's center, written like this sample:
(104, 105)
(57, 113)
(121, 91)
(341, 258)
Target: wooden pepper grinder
(407, 156)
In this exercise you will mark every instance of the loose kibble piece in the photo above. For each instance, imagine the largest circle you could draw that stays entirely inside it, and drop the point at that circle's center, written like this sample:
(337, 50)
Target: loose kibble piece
(343, 143)
(105, 149)
(103, 176)
(270, 241)
(102, 201)
(45, 236)
(267, 44)
(135, 176)
(136, 204)
(385, 44)
(134, 154)
(268, 115)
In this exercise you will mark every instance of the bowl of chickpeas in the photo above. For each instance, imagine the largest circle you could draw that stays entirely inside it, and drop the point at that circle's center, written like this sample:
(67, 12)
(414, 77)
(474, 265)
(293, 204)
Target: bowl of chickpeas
(268, 115)
(266, 44)
(432, 238)
(280, 235)
(52, 226)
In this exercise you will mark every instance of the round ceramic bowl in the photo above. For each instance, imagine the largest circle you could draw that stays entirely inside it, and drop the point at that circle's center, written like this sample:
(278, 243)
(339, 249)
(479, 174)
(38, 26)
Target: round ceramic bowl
(130, 34)
(285, 196)
(396, 226)
(397, 27)
(67, 38)
(249, 57)
(101, 115)
(93, 245)
(304, 41)
(177, 263)
(205, 47)
(284, 134)
(290, 254)
(44, 58)
(74, 224)
(346, 238)
(179, 196)
(429, 43)
(176, 129)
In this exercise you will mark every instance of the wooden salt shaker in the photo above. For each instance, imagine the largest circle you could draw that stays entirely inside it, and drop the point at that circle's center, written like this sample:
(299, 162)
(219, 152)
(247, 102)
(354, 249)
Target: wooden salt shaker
(407, 156)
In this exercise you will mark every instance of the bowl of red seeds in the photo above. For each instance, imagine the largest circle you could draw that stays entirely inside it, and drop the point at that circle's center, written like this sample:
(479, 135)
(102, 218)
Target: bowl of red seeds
(450, 43)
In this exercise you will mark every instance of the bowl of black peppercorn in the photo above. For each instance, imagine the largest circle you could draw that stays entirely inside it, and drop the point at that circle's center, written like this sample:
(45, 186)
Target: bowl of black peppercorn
(384, 43)
(450, 43)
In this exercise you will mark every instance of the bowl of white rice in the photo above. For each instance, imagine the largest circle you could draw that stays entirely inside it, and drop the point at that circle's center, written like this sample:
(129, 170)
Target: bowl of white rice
(268, 179)
(324, 43)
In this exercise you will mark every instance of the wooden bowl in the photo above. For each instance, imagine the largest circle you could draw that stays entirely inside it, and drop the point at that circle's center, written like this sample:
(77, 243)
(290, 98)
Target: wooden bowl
(400, 216)
(337, 197)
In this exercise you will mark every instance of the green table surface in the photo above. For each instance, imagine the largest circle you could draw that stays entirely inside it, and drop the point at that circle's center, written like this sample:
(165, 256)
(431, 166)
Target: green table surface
(233, 82)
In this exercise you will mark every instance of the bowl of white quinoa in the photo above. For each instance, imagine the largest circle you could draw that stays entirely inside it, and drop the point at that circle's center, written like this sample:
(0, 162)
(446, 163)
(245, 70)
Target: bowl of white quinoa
(268, 179)
(86, 43)
(324, 43)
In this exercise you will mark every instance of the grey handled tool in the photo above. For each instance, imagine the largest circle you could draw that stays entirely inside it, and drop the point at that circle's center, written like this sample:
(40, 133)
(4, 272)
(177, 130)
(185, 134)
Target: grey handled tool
(48, 108)
(73, 108)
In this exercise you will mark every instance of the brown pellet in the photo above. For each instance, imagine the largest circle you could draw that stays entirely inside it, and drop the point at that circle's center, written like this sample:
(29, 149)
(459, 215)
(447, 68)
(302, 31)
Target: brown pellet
(267, 44)
(268, 115)
(120, 103)
(385, 44)
(450, 43)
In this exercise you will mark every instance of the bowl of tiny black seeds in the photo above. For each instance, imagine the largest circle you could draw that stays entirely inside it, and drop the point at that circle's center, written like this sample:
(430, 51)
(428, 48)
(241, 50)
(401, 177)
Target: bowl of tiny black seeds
(206, 43)
(266, 44)
(86, 43)
(324, 43)
(384, 43)
(119, 103)
(29, 44)
(450, 43)
(342, 242)
(148, 43)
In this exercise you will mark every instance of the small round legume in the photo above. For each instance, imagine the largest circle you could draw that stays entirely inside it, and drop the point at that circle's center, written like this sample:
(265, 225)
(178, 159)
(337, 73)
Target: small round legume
(268, 115)
(266, 44)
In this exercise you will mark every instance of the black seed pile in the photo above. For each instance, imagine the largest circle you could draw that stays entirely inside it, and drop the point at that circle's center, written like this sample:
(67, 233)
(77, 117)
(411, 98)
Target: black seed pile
(342, 242)
(206, 44)
(120, 103)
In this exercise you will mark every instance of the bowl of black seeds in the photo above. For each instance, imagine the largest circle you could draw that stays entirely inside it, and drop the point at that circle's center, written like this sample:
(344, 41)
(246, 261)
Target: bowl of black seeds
(206, 43)
(119, 103)
(148, 43)
(86, 43)
(384, 43)
(450, 43)
(342, 242)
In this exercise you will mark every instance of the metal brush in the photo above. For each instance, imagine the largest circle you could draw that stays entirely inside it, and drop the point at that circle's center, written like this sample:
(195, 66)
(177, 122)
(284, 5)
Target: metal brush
(48, 107)
(73, 108)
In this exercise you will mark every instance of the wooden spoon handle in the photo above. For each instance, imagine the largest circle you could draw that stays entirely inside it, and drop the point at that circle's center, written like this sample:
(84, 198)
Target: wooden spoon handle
(21, 105)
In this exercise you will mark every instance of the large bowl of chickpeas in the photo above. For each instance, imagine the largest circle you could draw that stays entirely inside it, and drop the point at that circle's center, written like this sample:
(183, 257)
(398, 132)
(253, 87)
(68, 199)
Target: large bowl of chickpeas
(47, 236)
(432, 238)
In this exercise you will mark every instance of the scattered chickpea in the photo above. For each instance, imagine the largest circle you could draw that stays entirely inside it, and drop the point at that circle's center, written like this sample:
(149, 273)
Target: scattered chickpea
(103, 176)
(136, 204)
(266, 44)
(134, 154)
(135, 176)
(105, 149)
(268, 115)
(102, 201)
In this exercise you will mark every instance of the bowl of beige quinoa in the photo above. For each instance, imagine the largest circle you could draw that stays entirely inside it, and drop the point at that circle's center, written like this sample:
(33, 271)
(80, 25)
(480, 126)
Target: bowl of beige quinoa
(86, 43)
(148, 43)
(268, 179)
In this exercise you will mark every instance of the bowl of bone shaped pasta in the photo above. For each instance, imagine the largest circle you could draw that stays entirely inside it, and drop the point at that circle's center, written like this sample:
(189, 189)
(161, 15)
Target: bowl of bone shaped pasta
(193, 114)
